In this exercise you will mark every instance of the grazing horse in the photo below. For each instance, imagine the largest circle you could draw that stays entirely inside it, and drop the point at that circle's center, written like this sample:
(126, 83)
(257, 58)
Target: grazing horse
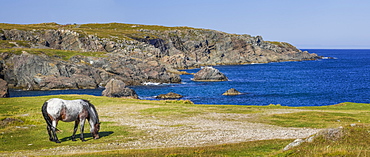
(56, 109)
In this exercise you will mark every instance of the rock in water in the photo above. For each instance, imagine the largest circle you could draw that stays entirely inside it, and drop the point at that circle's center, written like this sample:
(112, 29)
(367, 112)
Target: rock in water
(232, 91)
(4, 90)
(169, 95)
(209, 74)
(117, 88)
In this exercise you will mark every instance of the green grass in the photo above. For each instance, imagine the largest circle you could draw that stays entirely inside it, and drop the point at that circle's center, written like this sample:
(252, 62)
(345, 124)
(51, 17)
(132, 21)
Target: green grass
(256, 148)
(32, 136)
(104, 30)
(355, 142)
(35, 135)
(323, 117)
(29, 27)
(59, 54)
(281, 44)
(317, 119)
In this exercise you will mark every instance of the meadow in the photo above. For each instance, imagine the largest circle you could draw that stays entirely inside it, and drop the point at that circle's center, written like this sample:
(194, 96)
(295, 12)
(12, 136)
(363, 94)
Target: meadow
(153, 128)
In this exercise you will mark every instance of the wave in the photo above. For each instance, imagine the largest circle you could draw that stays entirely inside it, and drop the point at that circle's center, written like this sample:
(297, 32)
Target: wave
(329, 58)
(151, 83)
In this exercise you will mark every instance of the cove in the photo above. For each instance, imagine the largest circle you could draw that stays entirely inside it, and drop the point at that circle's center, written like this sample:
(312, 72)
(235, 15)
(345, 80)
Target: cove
(307, 83)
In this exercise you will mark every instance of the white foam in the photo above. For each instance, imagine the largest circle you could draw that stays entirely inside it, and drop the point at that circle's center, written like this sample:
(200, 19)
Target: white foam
(151, 83)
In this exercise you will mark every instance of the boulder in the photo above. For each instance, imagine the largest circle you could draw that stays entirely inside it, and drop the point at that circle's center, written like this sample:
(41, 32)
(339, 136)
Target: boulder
(295, 143)
(169, 95)
(209, 74)
(232, 91)
(4, 90)
(117, 88)
(8, 121)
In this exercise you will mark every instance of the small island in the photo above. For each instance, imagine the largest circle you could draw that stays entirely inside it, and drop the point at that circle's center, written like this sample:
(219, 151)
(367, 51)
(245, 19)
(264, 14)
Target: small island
(209, 74)
(232, 91)
(170, 95)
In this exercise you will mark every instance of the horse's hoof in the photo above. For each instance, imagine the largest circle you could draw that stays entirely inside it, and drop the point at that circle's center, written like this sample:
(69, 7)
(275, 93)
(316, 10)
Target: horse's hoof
(74, 140)
(57, 141)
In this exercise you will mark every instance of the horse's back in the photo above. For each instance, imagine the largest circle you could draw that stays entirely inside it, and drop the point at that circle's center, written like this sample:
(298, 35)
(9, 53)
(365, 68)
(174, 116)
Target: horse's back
(72, 108)
(54, 106)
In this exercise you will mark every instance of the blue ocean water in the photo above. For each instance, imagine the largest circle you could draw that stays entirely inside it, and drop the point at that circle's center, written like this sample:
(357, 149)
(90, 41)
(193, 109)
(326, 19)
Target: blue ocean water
(308, 83)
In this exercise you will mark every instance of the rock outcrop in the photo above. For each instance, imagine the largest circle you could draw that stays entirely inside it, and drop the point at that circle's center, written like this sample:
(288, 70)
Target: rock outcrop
(42, 72)
(232, 91)
(4, 90)
(209, 74)
(330, 134)
(117, 88)
(169, 95)
(143, 54)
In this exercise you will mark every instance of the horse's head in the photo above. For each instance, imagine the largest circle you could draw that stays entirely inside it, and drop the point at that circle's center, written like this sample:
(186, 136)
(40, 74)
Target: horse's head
(95, 131)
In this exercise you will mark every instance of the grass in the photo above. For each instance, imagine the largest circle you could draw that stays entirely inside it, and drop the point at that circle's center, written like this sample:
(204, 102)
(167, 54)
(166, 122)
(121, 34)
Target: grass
(258, 148)
(281, 44)
(31, 135)
(60, 54)
(114, 31)
(105, 30)
(354, 143)
(323, 117)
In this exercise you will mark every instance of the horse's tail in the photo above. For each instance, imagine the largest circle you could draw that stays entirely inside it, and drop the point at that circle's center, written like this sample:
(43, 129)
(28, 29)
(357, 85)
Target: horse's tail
(92, 111)
(45, 114)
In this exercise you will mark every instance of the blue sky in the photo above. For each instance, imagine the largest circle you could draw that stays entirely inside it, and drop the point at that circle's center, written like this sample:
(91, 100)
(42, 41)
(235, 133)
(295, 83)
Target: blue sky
(305, 24)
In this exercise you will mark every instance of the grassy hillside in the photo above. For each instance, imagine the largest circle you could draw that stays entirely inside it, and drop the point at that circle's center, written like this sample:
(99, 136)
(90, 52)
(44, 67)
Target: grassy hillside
(107, 30)
(28, 134)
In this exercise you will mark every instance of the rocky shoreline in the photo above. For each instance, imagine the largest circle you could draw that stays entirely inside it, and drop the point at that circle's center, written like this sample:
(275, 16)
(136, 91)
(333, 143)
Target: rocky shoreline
(51, 56)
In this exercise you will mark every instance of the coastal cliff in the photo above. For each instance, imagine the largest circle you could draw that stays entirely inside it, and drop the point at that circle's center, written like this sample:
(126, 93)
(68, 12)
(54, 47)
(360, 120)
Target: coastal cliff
(52, 56)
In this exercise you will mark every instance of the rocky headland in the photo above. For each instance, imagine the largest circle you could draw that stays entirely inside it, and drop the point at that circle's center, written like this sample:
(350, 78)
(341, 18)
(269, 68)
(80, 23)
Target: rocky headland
(51, 56)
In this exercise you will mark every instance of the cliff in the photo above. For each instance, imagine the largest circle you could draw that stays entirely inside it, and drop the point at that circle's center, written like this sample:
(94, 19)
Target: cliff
(52, 56)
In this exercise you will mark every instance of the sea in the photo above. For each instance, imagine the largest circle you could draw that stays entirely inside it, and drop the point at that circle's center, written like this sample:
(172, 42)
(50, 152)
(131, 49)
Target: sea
(342, 76)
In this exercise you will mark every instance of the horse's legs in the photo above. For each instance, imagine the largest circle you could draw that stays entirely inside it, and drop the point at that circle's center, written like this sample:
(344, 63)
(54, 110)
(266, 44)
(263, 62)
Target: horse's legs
(75, 130)
(51, 138)
(53, 128)
(82, 124)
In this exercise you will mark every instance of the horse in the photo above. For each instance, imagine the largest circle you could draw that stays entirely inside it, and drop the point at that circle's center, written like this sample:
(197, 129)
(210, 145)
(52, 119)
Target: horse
(56, 109)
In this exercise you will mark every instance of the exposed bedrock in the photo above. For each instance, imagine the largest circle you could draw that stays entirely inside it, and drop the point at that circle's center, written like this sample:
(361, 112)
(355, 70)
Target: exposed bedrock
(147, 56)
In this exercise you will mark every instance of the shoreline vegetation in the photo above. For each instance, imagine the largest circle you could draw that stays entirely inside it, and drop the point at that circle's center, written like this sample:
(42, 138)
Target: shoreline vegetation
(133, 127)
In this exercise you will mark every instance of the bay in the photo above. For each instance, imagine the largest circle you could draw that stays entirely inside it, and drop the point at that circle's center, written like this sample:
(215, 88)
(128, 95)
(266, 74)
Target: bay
(307, 83)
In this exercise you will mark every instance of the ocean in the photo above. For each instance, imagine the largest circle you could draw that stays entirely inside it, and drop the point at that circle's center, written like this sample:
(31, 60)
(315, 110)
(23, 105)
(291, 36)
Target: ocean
(346, 78)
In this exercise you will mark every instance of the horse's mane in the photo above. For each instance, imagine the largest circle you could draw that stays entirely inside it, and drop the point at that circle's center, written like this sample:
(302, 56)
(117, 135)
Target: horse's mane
(92, 112)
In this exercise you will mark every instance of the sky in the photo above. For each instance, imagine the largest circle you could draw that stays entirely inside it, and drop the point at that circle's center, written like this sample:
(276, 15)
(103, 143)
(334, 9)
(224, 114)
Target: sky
(305, 24)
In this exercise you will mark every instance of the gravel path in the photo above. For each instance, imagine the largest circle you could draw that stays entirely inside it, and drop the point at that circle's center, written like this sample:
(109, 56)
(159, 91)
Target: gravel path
(199, 130)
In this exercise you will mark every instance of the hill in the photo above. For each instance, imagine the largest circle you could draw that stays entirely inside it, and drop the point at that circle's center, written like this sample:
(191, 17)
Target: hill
(51, 56)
